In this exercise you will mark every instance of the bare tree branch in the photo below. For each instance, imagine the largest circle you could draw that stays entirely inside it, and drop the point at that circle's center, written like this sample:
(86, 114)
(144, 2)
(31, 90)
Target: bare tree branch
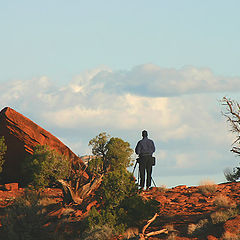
(144, 236)
(149, 222)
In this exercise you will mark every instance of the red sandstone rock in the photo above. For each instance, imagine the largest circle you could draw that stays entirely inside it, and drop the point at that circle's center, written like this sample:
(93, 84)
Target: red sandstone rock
(11, 186)
(210, 237)
(21, 135)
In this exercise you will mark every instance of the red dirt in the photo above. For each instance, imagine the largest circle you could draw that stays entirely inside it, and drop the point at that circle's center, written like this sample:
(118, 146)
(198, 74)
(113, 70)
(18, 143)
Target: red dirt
(182, 205)
(21, 135)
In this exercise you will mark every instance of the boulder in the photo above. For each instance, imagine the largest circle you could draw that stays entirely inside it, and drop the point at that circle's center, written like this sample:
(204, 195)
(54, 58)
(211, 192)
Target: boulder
(21, 135)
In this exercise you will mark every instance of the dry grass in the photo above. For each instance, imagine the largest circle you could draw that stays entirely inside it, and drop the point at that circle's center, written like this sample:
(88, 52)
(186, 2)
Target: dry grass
(227, 209)
(191, 228)
(194, 229)
(222, 201)
(207, 187)
(219, 217)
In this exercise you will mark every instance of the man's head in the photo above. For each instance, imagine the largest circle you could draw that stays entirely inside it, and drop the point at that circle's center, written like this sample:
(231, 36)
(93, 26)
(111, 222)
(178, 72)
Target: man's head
(144, 133)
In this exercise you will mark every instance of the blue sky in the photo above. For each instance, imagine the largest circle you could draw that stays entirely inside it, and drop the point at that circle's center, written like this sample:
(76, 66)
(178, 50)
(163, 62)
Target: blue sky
(81, 67)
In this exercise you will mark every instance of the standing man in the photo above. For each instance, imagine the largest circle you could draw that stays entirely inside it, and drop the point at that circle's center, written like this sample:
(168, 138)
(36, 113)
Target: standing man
(145, 148)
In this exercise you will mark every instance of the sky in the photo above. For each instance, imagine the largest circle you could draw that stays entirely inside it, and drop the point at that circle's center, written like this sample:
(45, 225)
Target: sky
(78, 68)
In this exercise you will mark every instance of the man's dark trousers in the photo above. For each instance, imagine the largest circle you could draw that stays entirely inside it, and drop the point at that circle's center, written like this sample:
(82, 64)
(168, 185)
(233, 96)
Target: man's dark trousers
(145, 164)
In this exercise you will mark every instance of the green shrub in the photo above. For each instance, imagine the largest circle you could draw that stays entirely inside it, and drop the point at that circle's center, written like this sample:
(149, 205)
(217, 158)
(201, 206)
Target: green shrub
(27, 218)
(116, 187)
(95, 166)
(3, 149)
(44, 167)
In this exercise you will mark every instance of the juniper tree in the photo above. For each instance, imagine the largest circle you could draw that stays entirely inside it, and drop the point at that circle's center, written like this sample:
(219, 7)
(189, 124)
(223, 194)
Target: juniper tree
(45, 167)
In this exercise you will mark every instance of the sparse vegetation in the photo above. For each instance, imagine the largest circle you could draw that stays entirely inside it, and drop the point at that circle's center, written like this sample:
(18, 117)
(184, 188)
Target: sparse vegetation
(225, 210)
(25, 218)
(28, 218)
(220, 217)
(45, 167)
(207, 187)
(224, 215)
(222, 201)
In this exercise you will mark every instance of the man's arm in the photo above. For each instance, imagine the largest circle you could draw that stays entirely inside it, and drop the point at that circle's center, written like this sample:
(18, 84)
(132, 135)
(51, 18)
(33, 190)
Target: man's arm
(153, 147)
(137, 149)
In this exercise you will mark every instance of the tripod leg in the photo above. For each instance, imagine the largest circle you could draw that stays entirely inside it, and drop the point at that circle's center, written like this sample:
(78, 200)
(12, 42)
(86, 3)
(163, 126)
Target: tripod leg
(153, 182)
(134, 168)
(138, 176)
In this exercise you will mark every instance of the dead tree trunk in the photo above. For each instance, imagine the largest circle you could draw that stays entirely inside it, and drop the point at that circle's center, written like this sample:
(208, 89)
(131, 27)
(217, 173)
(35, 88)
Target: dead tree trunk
(76, 196)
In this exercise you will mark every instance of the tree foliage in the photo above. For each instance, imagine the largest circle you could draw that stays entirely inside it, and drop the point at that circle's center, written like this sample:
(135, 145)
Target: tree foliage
(45, 167)
(109, 154)
(3, 149)
(118, 155)
(99, 150)
(99, 144)
(232, 114)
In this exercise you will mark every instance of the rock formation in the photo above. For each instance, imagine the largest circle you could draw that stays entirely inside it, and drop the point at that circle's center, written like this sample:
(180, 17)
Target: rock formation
(21, 135)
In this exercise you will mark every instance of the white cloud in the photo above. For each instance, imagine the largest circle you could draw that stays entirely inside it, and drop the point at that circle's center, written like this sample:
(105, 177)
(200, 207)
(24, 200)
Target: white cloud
(154, 81)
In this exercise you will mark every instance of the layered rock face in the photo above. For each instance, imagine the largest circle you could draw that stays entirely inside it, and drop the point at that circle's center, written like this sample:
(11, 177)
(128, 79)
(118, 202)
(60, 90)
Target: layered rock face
(21, 135)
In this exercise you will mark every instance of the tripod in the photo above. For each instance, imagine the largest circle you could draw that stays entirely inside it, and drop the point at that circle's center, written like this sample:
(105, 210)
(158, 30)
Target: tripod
(139, 174)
